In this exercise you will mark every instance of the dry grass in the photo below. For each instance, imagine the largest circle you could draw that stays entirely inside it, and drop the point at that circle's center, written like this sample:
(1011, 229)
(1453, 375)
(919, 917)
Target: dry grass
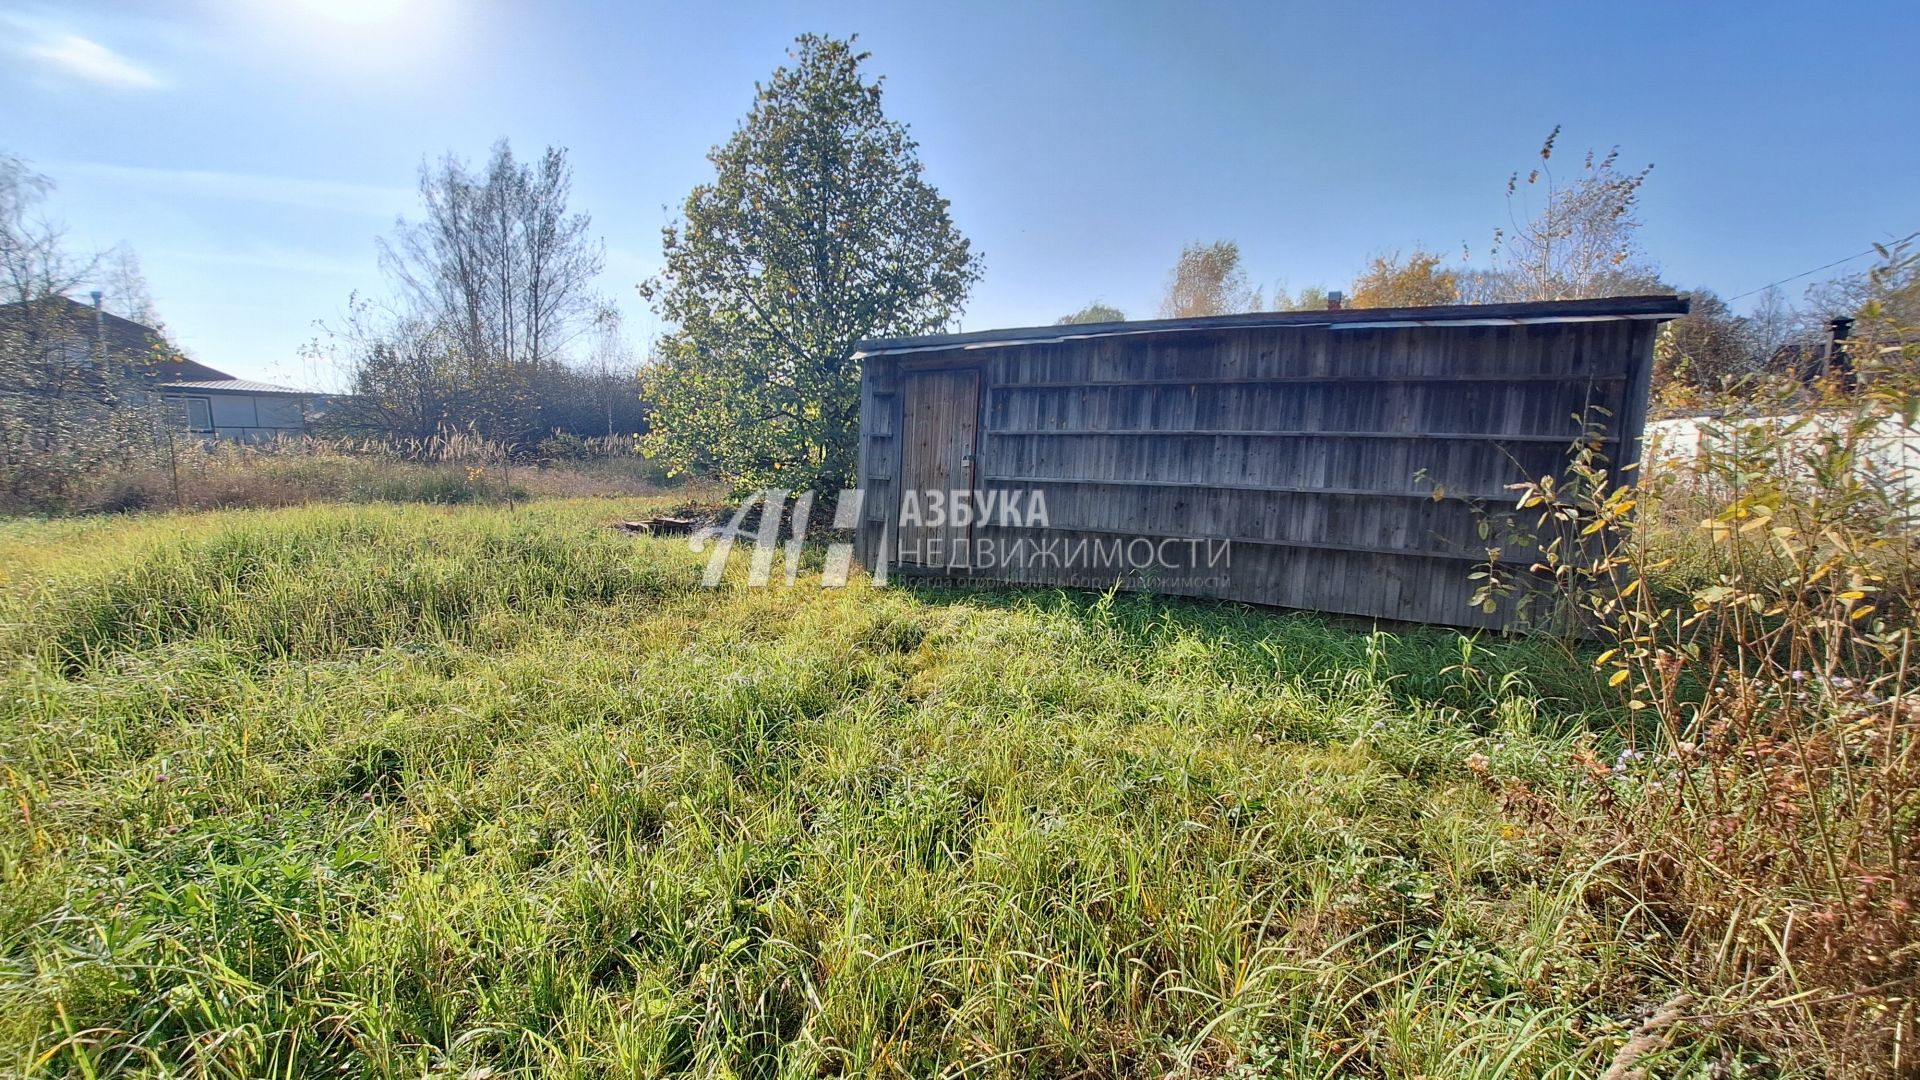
(295, 472)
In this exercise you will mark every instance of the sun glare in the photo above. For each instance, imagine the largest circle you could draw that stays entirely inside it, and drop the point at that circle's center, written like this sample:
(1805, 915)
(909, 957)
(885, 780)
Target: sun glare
(356, 13)
(363, 39)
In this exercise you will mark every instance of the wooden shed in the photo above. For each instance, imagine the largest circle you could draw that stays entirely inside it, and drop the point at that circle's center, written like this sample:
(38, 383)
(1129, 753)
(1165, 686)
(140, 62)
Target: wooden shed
(1337, 461)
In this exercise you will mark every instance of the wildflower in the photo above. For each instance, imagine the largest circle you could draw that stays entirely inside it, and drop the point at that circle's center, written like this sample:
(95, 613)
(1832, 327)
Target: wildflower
(1477, 763)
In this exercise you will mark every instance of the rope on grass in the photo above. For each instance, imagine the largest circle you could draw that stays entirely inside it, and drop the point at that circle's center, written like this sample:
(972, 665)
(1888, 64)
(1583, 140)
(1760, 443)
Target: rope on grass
(1651, 1036)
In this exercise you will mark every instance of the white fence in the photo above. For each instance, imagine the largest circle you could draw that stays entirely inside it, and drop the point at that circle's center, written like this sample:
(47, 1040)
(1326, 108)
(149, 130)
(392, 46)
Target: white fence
(1889, 455)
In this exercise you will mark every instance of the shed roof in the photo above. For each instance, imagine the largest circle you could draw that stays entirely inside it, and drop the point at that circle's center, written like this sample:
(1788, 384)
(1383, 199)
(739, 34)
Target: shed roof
(1658, 307)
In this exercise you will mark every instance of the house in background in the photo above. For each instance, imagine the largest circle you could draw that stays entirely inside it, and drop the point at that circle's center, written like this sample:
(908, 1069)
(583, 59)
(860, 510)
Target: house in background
(238, 410)
(107, 349)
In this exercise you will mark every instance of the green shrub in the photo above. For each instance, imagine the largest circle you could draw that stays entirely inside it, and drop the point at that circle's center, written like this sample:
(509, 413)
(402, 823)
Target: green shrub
(1759, 604)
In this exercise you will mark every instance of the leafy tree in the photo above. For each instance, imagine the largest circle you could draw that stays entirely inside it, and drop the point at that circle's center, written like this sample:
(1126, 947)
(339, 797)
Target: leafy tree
(1709, 350)
(409, 377)
(818, 230)
(1712, 355)
(1095, 312)
(1208, 280)
(1417, 282)
(1310, 298)
(1582, 241)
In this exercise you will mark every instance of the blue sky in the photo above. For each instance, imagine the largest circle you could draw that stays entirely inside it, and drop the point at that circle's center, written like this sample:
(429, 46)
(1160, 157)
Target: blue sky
(251, 152)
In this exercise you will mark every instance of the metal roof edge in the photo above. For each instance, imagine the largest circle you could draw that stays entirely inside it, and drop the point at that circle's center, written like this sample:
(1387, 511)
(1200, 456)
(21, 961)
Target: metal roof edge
(1605, 309)
(233, 386)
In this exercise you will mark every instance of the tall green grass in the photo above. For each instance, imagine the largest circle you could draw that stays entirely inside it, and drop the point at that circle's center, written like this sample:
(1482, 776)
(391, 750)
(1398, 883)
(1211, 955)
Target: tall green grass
(453, 791)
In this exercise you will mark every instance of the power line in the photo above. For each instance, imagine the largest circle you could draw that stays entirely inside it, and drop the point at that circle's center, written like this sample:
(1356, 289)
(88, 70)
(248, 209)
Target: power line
(1798, 276)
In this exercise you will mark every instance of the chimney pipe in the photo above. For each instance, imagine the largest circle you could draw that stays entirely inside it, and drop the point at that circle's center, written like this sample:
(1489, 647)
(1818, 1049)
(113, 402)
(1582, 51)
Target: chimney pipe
(1839, 364)
(99, 328)
(1336, 300)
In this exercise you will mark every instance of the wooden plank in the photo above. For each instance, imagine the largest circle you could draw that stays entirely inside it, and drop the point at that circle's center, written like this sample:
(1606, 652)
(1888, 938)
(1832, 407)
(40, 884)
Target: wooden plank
(1483, 469)
(863, 540)
(1342, 380)
(1436, 407)
(1503, 497)
(1471, 436)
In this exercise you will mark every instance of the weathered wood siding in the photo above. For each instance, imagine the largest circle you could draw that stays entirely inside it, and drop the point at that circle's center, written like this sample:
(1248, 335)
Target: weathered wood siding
(1313, 452)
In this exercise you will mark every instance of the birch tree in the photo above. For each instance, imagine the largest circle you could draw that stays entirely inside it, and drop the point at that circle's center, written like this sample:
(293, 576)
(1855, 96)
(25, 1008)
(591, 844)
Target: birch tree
(1581, 240)
(501, 265)
(1208, 280)
(124, 287)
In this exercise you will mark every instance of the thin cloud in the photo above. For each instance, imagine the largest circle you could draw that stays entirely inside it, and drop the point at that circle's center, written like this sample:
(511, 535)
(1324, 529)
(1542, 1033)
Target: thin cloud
(88, 60)
(373, 200)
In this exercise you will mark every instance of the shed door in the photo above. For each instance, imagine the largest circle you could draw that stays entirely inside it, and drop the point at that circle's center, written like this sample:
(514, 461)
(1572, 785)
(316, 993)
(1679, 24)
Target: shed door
(940, 419)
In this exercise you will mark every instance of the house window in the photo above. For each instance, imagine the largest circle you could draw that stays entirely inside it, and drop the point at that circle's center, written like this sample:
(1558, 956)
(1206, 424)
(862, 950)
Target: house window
(74, 353)
(199, 413)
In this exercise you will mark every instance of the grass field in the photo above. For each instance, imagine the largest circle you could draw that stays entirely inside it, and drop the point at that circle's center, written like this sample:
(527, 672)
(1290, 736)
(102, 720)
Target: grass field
(404, 791)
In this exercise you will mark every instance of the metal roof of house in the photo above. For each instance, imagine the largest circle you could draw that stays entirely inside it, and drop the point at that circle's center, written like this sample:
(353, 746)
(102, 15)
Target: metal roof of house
(232, 386)
(1544, 311)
